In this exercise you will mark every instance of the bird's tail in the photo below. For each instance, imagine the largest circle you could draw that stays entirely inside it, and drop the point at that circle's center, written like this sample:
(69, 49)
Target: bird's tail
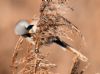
(66, 47)
(77, 53)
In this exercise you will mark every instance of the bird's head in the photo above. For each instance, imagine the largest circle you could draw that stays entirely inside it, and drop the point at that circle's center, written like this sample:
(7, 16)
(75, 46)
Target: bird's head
(25, 27)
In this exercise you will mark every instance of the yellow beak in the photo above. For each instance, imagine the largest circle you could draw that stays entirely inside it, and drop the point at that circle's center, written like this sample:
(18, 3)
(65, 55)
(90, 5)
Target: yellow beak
(30, 31)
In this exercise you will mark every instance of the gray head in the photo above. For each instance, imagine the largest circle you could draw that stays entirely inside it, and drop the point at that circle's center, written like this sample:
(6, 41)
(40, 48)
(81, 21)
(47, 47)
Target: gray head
(22, 27)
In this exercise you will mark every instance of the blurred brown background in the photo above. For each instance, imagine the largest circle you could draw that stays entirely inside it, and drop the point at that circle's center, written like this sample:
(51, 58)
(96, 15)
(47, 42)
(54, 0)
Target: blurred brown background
(86, 16)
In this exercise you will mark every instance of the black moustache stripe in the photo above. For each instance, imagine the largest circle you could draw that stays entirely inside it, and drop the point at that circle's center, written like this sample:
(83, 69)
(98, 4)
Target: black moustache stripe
(29, 27)
(27, 35)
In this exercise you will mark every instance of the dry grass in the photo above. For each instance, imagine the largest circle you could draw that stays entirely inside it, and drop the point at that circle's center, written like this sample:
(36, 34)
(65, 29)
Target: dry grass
(31, 63)
(36, 63)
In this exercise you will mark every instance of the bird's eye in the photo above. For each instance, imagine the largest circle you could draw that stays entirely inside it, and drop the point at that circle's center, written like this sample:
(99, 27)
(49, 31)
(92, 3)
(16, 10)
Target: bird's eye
(29, 27)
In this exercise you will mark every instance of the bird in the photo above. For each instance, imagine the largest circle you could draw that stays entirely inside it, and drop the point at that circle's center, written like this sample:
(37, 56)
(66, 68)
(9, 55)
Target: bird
(38, 35)
(48, 29)
(24, 27)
